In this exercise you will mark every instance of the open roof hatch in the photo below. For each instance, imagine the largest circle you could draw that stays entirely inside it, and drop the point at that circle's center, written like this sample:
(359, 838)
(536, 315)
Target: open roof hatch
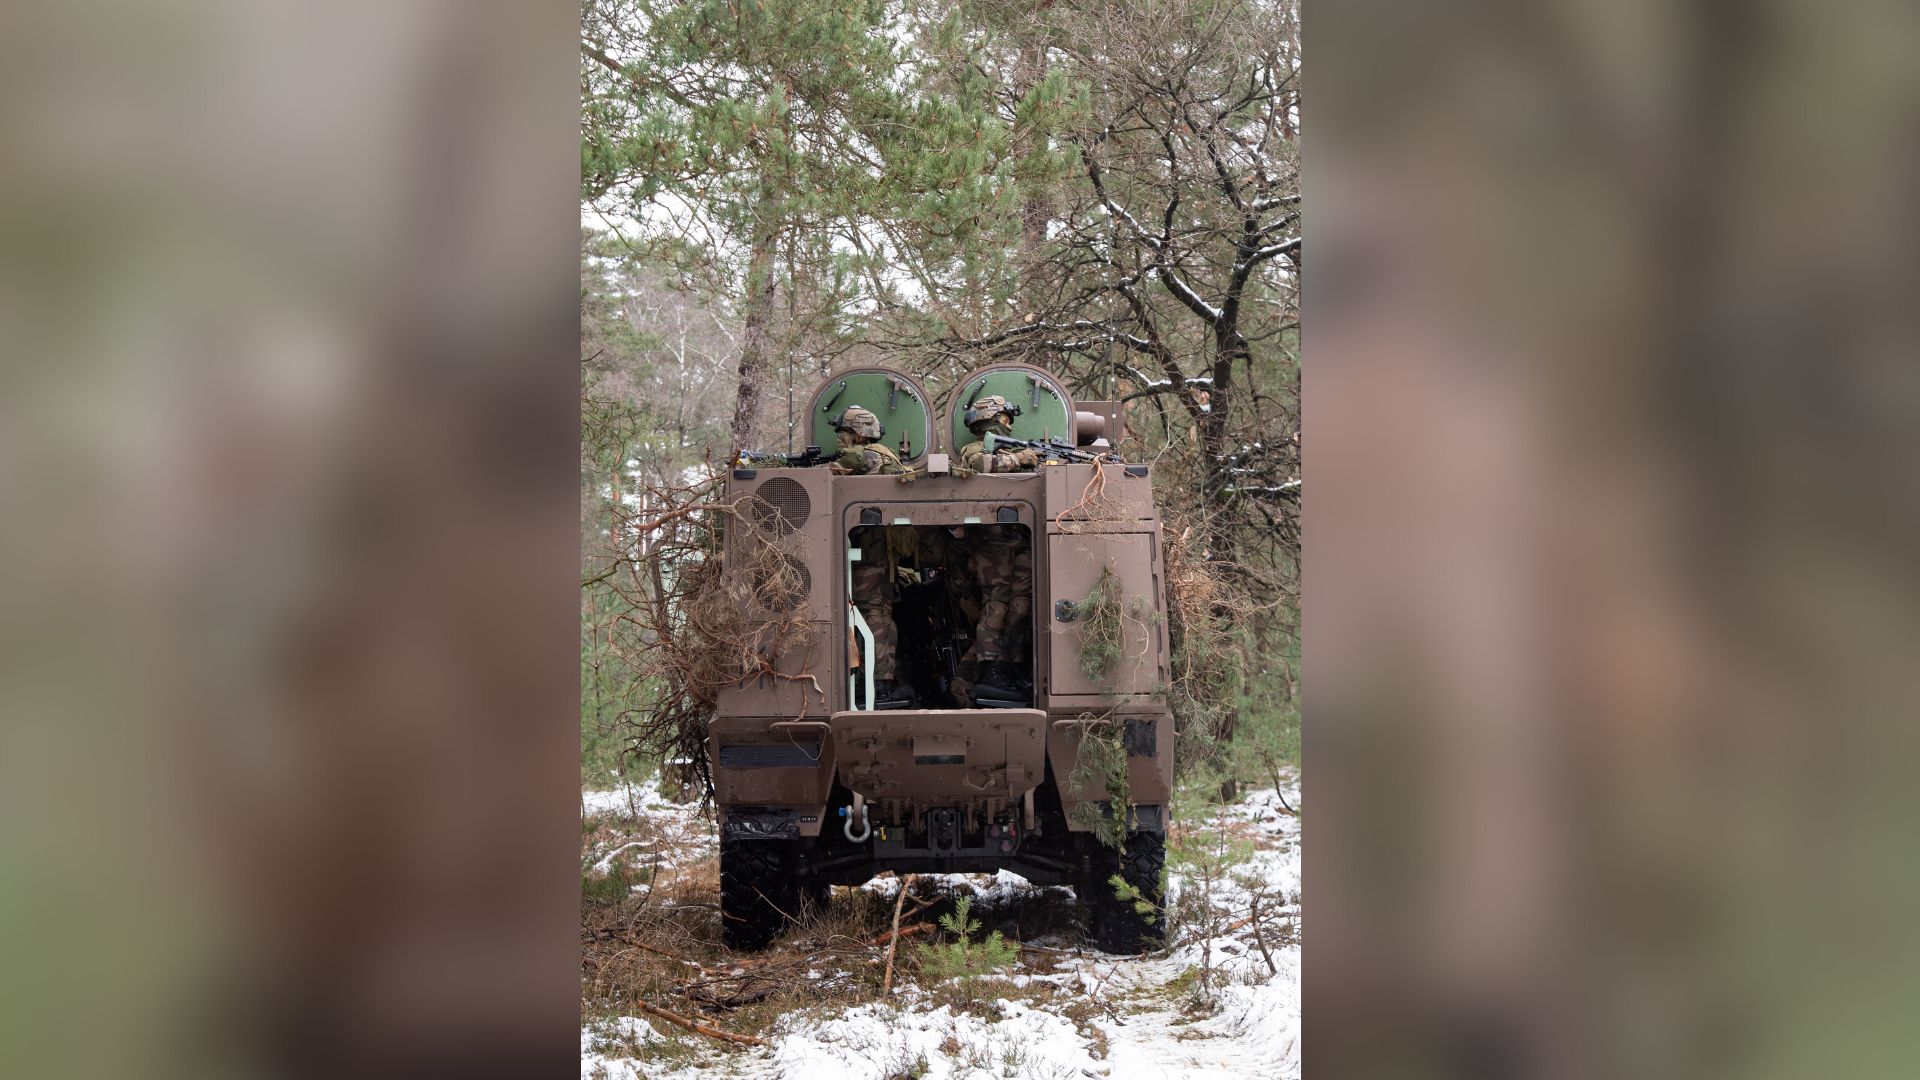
(898, 400)
(1045, 406)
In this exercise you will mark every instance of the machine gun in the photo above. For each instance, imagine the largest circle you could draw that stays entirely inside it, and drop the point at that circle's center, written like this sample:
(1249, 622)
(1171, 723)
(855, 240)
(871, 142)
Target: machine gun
(1048, 449)
(767, 459)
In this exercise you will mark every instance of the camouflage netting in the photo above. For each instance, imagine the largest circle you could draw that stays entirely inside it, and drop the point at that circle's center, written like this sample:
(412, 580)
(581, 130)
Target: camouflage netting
(692, 626)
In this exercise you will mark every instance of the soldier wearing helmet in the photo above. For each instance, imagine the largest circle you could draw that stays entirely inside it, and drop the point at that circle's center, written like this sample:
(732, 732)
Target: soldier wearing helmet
(993, 414)
(1000, 559)
(862, 452)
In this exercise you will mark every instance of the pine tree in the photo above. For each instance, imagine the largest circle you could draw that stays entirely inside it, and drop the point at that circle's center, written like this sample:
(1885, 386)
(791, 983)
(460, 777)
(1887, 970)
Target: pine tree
(964, 959)
(760, 136)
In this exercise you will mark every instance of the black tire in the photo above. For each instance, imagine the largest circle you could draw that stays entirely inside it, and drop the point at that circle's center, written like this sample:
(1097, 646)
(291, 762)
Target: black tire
(759, 891)
(1117, 925)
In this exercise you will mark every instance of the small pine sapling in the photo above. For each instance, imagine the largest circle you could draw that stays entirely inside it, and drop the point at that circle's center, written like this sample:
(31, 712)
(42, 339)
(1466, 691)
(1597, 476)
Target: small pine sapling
(964, 959)
(1208, 857)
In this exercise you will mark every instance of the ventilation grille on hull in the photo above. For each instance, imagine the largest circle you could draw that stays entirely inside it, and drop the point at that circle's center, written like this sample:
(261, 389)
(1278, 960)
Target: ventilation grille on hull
(779, 506)
(761, 579)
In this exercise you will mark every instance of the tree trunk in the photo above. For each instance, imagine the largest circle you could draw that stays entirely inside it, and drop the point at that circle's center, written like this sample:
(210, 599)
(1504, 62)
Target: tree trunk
(1030, 66)
(1229, 349)
(755, 341)
(1222, 543)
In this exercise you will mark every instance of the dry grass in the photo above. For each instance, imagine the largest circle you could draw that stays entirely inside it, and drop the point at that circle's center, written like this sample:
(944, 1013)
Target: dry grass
(662, 945)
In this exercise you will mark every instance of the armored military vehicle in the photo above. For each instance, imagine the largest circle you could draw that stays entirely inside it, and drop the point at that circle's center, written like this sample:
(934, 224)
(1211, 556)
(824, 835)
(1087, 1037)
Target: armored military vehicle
(816, 786)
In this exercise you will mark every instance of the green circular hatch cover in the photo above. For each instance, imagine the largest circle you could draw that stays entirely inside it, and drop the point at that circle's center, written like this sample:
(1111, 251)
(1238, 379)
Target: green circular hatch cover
(1043, 405)
(900, 405)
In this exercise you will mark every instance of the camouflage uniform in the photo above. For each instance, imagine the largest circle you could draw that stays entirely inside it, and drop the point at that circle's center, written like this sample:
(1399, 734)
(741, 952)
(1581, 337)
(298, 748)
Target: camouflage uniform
(873, 574)
(873, 595)
(1002, 562)
(998, 558)
(868, 458)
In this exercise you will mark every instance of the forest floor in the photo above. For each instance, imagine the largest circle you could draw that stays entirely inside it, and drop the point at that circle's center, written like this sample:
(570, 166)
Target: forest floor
(1221, 1001)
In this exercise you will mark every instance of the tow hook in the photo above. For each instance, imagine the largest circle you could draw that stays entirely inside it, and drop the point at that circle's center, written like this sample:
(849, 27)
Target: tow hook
(859, 811)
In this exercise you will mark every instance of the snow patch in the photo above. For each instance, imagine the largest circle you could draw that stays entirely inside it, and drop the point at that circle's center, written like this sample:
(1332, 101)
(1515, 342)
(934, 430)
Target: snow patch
(631, 800)
(628, 1032)
(1147, 1028)
(872, 1042)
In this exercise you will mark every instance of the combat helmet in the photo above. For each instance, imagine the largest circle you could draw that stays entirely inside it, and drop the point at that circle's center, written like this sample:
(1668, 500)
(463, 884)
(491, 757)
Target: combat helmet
(987, 408)
(859, 421)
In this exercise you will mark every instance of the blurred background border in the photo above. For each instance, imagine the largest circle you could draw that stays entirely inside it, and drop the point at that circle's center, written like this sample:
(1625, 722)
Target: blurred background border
(288, 432)
(1610, 400)
(1610, 395)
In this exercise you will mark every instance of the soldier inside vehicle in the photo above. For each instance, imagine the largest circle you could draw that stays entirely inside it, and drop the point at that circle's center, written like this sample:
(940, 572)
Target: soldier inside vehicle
(962, 594)
(950, 610)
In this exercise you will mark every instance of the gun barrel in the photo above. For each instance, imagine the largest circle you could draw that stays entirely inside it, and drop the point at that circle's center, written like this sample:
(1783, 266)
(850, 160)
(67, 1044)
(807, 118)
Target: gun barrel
(1049, 447)
(811, 456)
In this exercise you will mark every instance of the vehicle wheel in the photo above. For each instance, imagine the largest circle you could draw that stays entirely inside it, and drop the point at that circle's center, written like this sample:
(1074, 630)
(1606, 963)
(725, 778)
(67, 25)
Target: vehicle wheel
(1117, 925)
(759, 894)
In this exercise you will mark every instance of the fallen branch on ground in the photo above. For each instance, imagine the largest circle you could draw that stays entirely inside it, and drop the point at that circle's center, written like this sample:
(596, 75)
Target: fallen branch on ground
(905, 932)
(695, 965)
(626, 934)
(893, 937)
(749, 987)
(696, 1026)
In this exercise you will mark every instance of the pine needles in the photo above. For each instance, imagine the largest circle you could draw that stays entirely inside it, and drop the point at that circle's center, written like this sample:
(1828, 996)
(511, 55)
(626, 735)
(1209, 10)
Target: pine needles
(1102, 632)
(964, 959)
(1101, 765)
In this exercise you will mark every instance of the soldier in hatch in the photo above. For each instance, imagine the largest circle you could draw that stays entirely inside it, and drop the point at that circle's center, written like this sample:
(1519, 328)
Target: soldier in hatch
(862, 452)
(994, 414)
(1000, 560)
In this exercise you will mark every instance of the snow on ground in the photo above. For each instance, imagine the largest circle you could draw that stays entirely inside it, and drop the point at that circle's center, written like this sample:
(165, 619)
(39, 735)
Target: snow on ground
(672, 834)
(1254, 1029)
(882, 1040)
(1143, 1018)
(631, 801)
(628, 1033)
